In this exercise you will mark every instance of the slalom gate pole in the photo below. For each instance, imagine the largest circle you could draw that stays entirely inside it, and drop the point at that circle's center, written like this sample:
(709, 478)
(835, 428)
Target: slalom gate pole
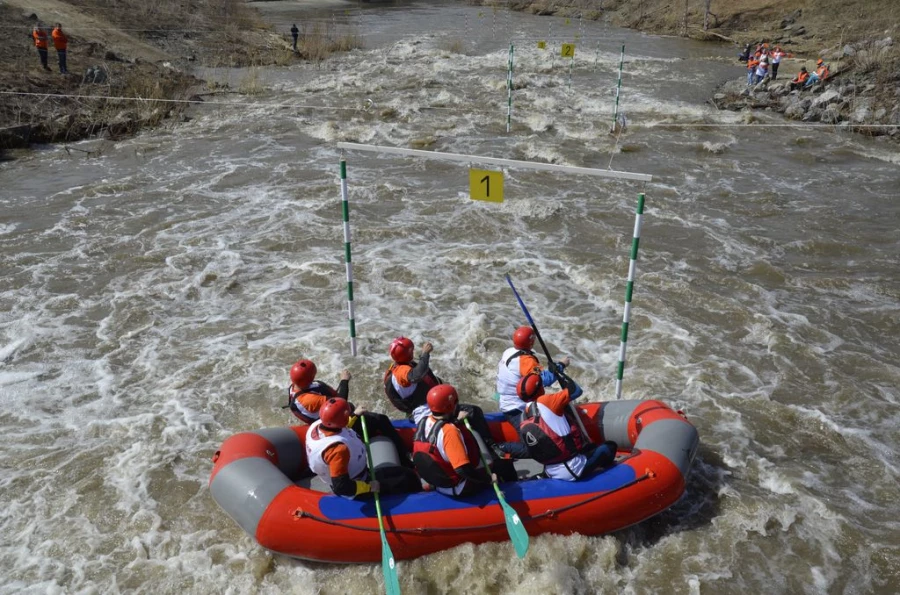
(345, 207)
(509, 85)
(629, 288)
(618, 88)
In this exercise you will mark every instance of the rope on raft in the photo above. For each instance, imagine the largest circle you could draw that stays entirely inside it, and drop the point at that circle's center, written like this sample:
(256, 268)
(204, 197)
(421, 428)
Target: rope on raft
(425, 530)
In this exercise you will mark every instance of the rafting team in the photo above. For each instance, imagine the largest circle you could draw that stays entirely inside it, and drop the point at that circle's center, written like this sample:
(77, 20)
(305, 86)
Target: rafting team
(445, 452)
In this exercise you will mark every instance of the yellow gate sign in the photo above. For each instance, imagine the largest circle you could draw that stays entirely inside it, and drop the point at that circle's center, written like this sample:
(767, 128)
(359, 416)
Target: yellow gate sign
(542, 45)
(568, 50)
(486, 185)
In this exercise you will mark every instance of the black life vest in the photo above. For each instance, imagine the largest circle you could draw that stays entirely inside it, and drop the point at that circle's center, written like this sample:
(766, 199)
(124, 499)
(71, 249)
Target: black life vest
(545, 445)
(419, 396)
(318, 388)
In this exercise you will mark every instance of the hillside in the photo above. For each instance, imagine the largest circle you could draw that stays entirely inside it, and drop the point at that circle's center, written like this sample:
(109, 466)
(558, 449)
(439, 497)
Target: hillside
(150, 60)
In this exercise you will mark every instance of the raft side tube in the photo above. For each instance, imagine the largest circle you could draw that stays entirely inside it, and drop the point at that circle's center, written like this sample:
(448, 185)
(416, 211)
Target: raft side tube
(674, 438)
(384, 453)
(614, 420)
(289, 450)
(246, 487)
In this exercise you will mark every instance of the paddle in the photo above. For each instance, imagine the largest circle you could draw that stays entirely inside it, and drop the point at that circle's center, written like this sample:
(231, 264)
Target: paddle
(388, 567)
(517, 532)
(551, 365)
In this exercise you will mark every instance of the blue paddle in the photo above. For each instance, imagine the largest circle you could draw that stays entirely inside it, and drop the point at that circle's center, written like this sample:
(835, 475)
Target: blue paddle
(388, 566)
(517, 532)
(551, 365)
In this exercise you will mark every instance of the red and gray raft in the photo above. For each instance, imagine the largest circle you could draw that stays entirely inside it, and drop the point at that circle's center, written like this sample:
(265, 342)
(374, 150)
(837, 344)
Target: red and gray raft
(262, 481)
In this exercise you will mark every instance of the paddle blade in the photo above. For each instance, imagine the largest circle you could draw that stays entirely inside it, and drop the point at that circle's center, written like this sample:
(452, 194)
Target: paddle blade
(389, 568)
(514, 526)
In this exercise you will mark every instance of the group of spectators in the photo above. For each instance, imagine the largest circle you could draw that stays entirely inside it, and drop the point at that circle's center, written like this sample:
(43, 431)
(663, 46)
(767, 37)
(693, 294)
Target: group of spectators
(763, 63)
(60, 42)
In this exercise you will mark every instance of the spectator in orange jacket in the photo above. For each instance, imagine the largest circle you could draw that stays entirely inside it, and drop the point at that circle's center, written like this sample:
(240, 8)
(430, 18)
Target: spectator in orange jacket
(40, 42)
(800, 79)
(61, 43)
(820, 74)
(752, 63)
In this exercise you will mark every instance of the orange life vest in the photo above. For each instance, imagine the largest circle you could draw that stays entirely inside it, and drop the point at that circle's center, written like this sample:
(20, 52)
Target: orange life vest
(40, 39)
(60, 41)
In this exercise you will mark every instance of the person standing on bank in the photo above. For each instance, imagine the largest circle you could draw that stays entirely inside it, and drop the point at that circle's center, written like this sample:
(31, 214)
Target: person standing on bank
(60, 42)
(295, 33)
(40, 42)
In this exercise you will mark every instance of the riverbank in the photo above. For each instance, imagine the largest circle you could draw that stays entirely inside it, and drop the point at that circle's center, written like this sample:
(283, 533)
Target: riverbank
(112, 62)
(856, 38)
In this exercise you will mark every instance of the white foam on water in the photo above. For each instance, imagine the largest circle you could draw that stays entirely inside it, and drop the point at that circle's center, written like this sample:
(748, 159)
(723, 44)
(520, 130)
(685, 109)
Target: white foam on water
(158, 294)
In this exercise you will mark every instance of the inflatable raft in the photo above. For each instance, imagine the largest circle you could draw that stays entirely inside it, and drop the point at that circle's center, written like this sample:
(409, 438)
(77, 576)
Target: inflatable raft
(262, 481)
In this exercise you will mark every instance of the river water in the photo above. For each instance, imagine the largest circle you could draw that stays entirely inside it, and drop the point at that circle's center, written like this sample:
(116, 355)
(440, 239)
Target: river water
(155, 295)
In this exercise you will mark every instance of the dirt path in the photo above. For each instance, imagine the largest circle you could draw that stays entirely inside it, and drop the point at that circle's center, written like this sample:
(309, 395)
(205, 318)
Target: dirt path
(84, 26)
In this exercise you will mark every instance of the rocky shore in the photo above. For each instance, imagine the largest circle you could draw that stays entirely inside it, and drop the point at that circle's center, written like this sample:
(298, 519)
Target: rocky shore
(856, 38)
(854, 96)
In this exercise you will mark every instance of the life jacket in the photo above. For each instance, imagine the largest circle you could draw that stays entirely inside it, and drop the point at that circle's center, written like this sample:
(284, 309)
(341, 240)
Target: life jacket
(413, 396)
(40, 39)
(317, 442)
(60, 41)
(822, 72)
(508, 379)
(297, 408)
(777, 55)
(430, 463)
(544, 444)
(801, 77)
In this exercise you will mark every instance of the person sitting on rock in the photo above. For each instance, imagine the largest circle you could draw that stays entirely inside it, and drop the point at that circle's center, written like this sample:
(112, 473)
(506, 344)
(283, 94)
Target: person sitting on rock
(819, 75)
(800, 80)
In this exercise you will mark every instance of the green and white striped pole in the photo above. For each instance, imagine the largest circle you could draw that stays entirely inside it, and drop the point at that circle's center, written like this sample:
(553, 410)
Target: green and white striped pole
(618, 88)
(509, 85)
(632, 266)
(345, 207)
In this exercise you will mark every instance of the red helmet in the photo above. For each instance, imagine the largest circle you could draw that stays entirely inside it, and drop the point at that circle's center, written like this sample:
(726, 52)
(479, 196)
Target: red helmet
(523, 338)
(402, 350)
(335, 413)
(303, 373)
(442, 399)
(530, 387)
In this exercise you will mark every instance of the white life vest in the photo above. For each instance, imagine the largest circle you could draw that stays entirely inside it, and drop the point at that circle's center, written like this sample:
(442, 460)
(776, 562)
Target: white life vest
(508, 378)
(317, 442)
(776, 57)
(571, 469)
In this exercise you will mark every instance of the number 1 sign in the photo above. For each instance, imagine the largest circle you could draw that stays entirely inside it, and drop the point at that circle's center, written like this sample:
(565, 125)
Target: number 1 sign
(486, 185)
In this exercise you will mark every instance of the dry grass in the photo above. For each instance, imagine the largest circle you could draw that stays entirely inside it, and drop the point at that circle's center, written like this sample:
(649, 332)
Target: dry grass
(454, 45)
(318, 42)
(251, 84)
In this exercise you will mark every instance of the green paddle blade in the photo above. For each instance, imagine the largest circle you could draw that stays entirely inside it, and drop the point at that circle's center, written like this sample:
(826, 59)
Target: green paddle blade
(517, 533)
(514, 526)
(391, 582)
